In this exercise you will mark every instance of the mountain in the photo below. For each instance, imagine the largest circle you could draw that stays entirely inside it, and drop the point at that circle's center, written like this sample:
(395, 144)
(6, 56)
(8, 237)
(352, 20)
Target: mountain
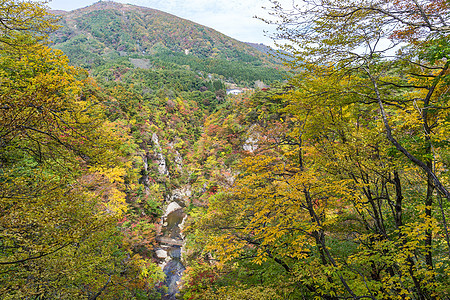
(262, 48)
(161, 77)
(108, 29)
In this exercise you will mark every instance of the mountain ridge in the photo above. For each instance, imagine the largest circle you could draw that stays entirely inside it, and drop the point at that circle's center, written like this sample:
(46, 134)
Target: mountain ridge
(116, 29)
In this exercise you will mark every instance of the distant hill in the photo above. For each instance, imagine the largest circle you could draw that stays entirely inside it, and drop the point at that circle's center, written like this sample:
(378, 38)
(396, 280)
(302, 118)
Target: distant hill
(262, 48)
(277, 54)
(108, 29)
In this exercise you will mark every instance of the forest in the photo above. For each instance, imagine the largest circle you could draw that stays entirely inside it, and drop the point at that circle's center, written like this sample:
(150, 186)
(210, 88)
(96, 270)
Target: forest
(330, 182)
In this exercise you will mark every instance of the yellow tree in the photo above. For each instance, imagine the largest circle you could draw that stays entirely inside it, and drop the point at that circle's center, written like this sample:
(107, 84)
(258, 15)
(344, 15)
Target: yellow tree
(369, 38)
(348, 191)
(20, 18)
(399, 52)
(327, 199)
(62, 176)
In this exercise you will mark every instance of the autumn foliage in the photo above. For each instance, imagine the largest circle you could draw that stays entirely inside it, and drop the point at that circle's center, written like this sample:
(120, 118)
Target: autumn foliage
(345, 192)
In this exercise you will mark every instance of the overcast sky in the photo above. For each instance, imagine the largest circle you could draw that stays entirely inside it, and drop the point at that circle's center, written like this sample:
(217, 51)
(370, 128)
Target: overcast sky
(234, 18)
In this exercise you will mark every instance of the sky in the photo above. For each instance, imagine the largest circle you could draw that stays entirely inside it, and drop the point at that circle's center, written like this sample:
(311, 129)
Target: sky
(234, 18)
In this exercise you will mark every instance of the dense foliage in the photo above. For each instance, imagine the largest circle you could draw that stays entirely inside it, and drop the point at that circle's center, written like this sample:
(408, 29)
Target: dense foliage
(343, 193)
(332, 185)
(63, 173)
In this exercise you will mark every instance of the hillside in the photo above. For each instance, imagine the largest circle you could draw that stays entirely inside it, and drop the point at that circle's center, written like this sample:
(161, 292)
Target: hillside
(110, 29)
(162, 77)
(139, 177)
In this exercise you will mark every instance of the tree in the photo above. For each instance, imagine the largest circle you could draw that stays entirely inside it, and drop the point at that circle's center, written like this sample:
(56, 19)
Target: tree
(408, 81)
(358, 36)
(347, 195)
(326, 198)
(20, 18)
(62, 175)
(345, 191)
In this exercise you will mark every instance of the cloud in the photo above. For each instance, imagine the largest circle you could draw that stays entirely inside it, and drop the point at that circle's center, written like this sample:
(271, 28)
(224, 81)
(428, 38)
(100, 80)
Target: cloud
(234, 18)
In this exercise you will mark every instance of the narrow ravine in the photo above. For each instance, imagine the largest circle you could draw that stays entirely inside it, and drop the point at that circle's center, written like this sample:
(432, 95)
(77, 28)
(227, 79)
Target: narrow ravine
(170, 248)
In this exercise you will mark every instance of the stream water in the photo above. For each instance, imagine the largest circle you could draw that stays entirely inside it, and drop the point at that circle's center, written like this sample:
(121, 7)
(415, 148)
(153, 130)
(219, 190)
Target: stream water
(169, 253)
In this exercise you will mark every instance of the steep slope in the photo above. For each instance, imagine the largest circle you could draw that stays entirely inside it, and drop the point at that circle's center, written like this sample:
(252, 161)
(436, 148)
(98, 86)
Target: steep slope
(161, 76)
(110, 29)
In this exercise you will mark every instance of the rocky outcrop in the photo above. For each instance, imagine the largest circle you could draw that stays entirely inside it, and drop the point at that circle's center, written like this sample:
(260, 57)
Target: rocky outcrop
(251, 144)
(181, 195)
(162, 166)
(170, 238)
